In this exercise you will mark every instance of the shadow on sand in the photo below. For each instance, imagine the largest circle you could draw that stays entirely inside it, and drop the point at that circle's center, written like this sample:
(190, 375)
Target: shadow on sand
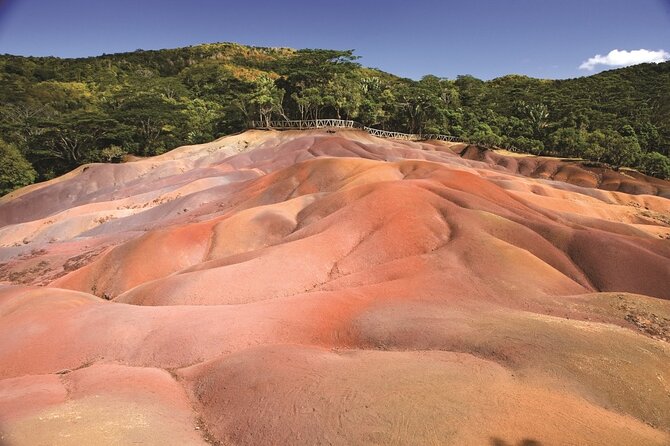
(495, 441)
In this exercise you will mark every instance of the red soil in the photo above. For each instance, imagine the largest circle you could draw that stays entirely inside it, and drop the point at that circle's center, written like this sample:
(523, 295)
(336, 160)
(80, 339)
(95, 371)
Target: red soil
(320, 288)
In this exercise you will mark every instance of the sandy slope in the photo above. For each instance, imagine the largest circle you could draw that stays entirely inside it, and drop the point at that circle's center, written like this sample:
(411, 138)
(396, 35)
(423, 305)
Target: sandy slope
(335, 288)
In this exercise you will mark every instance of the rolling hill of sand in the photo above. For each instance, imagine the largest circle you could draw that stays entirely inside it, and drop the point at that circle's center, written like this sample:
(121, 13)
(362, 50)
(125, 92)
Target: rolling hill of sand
(330, 287)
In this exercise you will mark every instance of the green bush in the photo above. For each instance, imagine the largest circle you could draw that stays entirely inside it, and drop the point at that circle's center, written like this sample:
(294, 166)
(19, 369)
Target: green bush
(655, 164)
(15, 170)
(527, 145)
(112, 154)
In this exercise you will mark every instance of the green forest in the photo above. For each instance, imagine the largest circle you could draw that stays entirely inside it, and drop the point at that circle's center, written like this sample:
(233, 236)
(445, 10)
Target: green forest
(56, 114)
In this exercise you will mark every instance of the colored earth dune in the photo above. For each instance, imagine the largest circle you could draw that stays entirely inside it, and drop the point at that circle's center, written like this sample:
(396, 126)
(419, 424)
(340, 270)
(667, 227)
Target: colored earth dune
(330, 287)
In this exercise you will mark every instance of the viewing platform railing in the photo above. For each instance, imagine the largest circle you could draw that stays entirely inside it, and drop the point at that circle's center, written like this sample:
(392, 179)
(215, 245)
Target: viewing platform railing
(343, 123)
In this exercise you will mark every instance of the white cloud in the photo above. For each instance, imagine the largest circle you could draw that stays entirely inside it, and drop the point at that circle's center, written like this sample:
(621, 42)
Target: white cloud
(623, 58)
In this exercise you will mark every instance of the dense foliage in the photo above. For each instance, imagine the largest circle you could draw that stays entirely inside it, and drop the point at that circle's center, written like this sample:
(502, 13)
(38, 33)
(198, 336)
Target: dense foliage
(15, 170)
(59, 113)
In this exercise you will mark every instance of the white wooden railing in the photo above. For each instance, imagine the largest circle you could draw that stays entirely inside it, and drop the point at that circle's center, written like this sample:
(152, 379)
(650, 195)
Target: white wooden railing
(343, 123)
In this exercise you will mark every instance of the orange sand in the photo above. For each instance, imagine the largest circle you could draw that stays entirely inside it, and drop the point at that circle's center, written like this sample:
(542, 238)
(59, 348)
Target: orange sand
(319, 288)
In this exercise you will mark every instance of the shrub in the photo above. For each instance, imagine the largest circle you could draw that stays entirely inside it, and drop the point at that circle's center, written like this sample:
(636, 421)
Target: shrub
(528, 145)
(655, 164)
(112, 154)
(15, 170)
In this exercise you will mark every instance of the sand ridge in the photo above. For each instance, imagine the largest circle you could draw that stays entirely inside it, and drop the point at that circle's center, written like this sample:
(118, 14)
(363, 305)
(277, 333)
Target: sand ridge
(331, 287)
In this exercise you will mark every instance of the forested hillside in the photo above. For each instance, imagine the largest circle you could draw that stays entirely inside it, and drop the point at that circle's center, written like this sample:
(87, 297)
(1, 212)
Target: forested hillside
(56, 113)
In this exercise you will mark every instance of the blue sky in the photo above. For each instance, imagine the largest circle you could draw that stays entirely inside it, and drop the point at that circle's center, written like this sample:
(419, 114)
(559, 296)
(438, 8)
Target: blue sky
(539, 38)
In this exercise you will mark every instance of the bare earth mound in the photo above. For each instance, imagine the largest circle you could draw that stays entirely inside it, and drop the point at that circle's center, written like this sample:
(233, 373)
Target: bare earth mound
(335, 288)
